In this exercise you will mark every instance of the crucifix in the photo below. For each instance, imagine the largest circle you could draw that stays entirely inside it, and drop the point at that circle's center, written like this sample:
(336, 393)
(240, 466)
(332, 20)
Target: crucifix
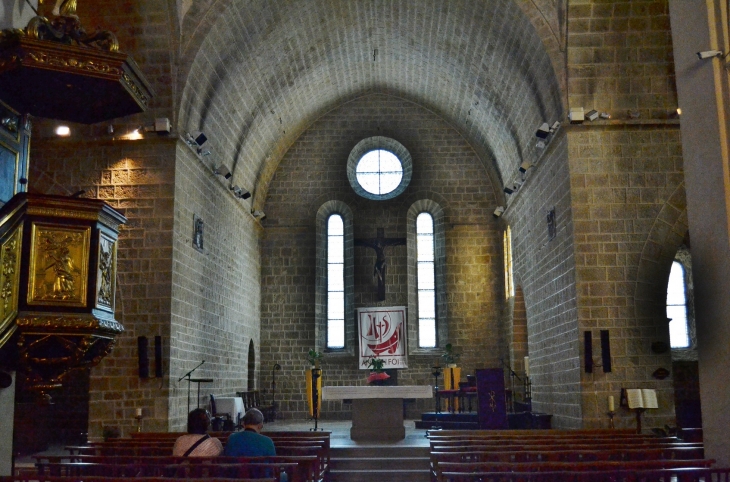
(379, 244)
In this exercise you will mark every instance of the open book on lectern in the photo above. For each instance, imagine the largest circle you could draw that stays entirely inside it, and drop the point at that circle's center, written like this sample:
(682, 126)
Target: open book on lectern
(641, 398)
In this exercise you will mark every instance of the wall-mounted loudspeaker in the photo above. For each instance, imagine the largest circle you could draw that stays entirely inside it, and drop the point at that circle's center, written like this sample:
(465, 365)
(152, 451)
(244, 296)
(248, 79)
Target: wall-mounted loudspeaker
(588, 351)
(158, 356)
(605, 351)
(144, 362)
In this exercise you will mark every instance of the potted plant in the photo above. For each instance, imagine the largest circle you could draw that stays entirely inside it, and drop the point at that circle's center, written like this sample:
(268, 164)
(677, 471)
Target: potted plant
(377, 372)
(314, 356)
(450, 356)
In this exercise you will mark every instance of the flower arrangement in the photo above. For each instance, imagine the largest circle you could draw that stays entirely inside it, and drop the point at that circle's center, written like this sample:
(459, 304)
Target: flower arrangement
(314, 356)
(377, 371)
(450, 356)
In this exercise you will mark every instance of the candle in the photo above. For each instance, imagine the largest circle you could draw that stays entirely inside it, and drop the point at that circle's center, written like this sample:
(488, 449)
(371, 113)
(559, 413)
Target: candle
(527, 366)
(611, 406)
(139, 412)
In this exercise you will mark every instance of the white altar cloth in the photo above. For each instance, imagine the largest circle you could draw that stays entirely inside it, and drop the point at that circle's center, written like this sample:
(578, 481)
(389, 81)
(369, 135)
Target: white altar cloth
(359, 392)
(233, 406)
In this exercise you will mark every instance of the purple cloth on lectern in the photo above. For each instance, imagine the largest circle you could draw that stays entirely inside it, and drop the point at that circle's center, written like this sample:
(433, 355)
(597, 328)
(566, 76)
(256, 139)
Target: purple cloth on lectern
(492, 404)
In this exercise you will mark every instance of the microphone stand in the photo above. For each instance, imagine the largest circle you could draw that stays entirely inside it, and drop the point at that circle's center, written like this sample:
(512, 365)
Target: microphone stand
(512, 376)
(187, 375)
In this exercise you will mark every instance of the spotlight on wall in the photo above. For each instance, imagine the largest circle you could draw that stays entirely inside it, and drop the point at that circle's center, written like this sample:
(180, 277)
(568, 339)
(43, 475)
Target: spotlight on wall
(708, 54)
(508, 190)
(258, 214)
(604, 115)
(525, 166)
(543, 131)
(576, 115)
(200, 139)
(195, 141)
(240, 193)
(540, 144)
(592, 115)
(222, 170)
(554, 128)
(63, 131)
(498, 211)
(202, 152)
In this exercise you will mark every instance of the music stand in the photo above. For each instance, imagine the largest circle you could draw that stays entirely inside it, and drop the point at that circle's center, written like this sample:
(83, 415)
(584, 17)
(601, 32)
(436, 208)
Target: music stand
(198, 381)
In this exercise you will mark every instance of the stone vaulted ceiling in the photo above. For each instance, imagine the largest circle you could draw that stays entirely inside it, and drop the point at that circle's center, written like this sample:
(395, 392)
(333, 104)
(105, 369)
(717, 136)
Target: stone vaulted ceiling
(259, 72)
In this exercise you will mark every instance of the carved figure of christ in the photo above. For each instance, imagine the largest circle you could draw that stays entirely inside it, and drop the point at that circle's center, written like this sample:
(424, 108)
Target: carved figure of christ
(379, 244)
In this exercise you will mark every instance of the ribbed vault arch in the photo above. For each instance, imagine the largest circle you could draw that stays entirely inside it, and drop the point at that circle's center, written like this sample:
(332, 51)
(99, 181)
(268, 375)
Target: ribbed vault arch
(264, 71)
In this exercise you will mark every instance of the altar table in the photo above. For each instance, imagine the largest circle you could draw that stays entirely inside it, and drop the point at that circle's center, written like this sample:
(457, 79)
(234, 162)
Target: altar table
(377, 412)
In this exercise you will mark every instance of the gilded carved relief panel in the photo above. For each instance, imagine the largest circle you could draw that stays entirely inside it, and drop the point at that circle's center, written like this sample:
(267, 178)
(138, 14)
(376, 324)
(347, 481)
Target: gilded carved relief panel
(9, 279)
(107, 273)
(58, 265)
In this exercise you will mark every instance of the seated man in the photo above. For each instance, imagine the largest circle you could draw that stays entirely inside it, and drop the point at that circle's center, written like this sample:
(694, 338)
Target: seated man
(197, 442)
(250, 443)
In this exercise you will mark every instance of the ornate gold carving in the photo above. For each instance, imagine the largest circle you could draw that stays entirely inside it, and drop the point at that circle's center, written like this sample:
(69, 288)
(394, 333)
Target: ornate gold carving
(65, 28)
(9, 277)
(67, 323)
(71, 62)
(106, 274)
(58, 265)
(63, 213)
(47, 358)
(134, 88)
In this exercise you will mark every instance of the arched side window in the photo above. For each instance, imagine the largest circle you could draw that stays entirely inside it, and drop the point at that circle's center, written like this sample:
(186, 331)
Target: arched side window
(427, 322)
(335, 282)
(680, 307)
(334, 298)
(677, 307)
(509, 282)
(426, 281)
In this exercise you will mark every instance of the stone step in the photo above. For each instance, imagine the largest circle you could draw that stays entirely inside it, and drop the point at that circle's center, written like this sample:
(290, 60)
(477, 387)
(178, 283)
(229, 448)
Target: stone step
(393, 475)
(379, 463)
(378, 451)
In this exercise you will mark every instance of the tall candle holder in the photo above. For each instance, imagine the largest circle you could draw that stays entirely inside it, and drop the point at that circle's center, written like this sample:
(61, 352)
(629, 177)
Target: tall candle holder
(138, 416)
(436, 371)
(611, 414)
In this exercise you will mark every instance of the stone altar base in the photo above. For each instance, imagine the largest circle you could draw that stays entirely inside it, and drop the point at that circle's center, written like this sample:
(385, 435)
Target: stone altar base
(377, 419)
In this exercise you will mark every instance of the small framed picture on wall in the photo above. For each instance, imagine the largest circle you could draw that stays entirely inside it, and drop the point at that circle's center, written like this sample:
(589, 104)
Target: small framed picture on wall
(198, 230)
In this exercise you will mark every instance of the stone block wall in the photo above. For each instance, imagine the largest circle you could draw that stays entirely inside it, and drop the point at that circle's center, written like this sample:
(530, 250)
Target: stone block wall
(629, 214)
(620, 58)
(134, 177)
(216, 292)
(445, 170)
(544, 270)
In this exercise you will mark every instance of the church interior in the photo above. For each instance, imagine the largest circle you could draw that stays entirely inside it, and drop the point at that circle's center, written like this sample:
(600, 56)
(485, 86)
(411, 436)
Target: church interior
(570, 158)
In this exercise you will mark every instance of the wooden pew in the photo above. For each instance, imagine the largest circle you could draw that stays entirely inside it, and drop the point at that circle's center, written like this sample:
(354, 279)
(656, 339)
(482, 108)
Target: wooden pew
(509, 467)
(679, 475)
(308, 466)
(87, 478)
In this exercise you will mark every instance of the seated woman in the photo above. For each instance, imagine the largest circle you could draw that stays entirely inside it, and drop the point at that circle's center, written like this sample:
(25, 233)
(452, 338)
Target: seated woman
(197, 442)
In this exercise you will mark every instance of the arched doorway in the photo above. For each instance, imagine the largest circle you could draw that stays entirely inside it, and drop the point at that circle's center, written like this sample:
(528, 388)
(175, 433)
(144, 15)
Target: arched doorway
(251, 366)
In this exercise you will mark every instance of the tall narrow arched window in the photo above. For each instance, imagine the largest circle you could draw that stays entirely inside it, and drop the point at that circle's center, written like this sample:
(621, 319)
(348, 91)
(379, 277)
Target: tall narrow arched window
(428, 327)
(509, 282)
(334, 310)
(335, 282)
(677, 307)
(426, 280)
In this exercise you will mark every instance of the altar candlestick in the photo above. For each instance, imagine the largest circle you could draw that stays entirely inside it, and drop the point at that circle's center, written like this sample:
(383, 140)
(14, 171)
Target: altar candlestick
(611, 406)
(527, 366)
(139, 412)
